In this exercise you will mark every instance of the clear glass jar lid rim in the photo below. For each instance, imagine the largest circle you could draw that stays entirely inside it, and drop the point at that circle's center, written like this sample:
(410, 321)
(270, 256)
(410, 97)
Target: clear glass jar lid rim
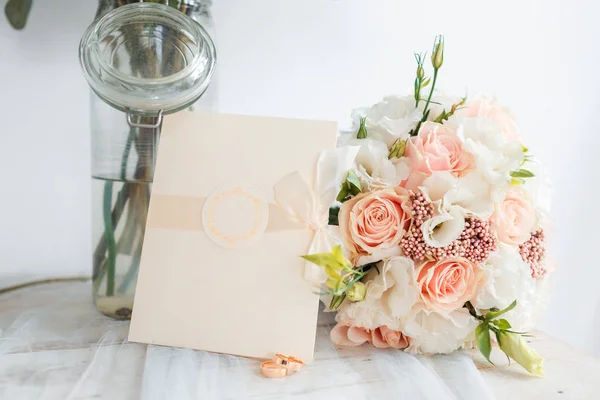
(169, 58)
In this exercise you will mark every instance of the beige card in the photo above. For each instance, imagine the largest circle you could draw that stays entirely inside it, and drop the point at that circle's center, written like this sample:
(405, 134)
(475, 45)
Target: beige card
(221, 268)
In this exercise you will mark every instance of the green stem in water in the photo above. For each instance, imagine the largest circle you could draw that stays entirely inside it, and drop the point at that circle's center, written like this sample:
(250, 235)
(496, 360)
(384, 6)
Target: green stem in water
(126, 152)
(109, 265)
(110, 239)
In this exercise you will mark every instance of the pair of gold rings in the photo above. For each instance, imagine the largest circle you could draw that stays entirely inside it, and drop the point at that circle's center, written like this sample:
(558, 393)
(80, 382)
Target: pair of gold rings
(280, 366)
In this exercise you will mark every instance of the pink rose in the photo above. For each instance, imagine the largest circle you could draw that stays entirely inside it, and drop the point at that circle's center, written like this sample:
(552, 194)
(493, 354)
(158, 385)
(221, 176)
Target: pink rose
(381, 337)
(489, 108)
(437, 148)
(514, 219)
(374, 221)
(446, 285)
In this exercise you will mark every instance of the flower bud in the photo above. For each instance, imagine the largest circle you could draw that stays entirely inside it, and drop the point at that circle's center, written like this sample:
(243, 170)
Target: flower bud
(517, 348)
(357, 292)
(420, 72)
(362, 129)
(397, 149)
(437, 56)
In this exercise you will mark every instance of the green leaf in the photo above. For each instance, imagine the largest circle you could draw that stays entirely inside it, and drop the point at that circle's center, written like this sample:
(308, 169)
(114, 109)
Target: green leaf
(17, 12)
(522, 173)
(425, 82)
(337, 301)
(517, 181)
(328, 262)
(525, 149)
(362, 130)
(353, 183)
(344, 193)
(495, 314)
(333, 216)
(482, 335)
(502, 323)
(350, 188)
(445, 115)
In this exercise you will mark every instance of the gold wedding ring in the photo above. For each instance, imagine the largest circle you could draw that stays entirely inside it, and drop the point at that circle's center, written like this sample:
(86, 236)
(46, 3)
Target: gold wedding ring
(271, 369)
(281, 365)
(293, 364)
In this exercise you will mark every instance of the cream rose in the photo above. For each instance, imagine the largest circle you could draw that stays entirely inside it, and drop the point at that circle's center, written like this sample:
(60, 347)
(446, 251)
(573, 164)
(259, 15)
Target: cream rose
(514, 219)
(447, 284)
(374, 221)
(438, 148)
(381, 337)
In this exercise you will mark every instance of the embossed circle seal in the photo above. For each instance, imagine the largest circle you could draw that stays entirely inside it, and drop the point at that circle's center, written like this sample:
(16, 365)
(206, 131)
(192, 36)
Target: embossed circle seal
(235, 216)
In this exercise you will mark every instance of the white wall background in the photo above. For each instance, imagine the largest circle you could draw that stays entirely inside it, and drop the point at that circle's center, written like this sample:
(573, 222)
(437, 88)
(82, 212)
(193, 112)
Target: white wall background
(319, 59)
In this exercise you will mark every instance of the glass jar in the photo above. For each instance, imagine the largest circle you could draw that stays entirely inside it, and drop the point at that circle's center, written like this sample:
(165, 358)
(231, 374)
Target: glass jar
(142, 60)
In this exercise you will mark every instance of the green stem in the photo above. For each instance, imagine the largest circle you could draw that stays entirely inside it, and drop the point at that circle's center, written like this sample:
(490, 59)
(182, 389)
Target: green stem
(110, 239)
(132, 271)
(435, 74)
(472, 311)
(118, 208)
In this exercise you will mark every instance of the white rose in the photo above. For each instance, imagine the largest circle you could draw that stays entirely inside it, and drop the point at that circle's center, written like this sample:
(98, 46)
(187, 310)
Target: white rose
(388, 120)
(391, 294)
(454, 199)
(431, 332)
(495, 157)
(507, 278)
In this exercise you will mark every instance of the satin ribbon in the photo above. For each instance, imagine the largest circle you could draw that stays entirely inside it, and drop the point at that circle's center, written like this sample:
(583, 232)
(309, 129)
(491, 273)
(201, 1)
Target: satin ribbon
(297, 206)
(310, 207)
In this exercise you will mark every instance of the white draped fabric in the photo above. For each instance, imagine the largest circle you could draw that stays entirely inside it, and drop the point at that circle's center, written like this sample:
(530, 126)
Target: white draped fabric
(55, 345)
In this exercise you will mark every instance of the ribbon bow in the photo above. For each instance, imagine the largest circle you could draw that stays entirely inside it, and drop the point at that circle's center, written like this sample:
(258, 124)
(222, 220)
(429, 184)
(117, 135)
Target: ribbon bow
(310, 207)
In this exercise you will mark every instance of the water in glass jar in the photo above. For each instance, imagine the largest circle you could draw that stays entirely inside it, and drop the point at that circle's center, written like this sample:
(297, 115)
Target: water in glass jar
(120, 208)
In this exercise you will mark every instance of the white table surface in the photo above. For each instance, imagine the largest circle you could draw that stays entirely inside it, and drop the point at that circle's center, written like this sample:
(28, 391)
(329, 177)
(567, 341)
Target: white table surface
(54, 345)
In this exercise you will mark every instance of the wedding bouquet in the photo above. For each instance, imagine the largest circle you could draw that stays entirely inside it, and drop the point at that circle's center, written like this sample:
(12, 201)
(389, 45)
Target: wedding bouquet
(442, 226)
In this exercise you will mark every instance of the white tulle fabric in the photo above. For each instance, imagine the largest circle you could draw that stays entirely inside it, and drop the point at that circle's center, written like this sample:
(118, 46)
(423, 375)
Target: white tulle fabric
(54, 346)
(310, 206)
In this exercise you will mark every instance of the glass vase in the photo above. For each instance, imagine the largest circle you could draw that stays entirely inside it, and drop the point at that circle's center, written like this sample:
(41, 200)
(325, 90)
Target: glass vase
(142, 61)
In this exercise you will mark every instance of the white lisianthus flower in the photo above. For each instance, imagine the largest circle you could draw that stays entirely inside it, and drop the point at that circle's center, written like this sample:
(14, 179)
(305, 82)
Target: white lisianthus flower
(373, 167)
(391, 293)
(507, 278)
(432, 332)
(388, 120)
(454, 199)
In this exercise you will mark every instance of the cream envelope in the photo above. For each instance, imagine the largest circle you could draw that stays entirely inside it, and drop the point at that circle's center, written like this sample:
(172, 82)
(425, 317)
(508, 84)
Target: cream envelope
(235, 202)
